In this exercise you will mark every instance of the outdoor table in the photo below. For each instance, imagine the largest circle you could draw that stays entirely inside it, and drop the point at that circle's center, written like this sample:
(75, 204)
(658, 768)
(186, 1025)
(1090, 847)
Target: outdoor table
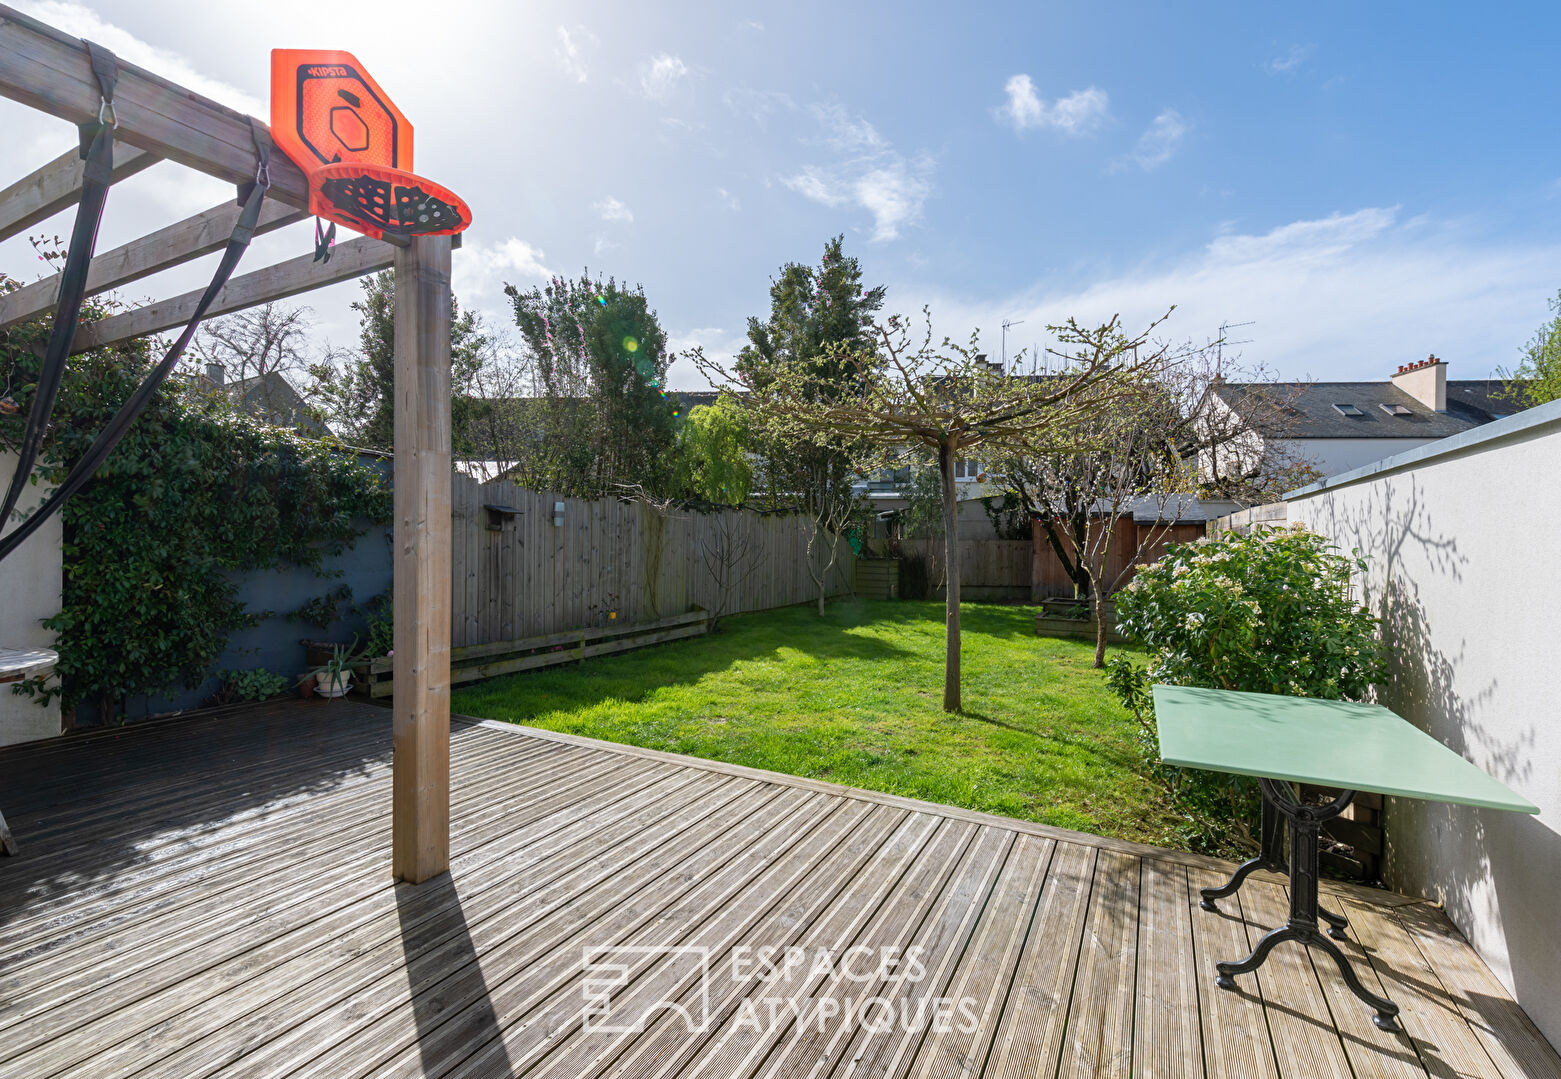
(1337, 744)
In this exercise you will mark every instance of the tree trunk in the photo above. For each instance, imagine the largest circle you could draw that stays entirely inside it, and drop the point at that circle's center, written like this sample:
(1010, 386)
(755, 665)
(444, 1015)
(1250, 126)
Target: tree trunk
(1101, 629)
(950, 580)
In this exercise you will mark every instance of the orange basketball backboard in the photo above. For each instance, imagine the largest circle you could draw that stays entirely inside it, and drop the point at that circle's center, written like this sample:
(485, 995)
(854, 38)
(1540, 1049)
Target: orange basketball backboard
(325, 108)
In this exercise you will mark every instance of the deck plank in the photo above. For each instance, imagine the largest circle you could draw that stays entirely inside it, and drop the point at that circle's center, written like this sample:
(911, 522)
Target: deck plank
(1029, 1042)
(1236, 1042)
(1167, 1040)
(1100, 1019)
(208, 896)
(1504, 1029)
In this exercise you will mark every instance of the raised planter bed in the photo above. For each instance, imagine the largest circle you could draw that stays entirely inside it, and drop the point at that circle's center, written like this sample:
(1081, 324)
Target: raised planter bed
(479, 661)
(1058, 619)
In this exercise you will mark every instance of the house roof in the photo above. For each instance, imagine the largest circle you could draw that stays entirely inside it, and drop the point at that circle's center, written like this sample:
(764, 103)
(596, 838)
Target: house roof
(1309, 407)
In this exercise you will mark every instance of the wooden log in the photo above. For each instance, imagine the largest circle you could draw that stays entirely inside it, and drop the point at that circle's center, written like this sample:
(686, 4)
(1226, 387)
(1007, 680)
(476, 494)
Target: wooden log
(57, 186)
(178, 243)
(49, 70)
(421, 726)
(352, 259)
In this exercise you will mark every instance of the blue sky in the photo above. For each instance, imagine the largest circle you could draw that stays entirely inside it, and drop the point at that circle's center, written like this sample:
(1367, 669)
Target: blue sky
(1364, 182)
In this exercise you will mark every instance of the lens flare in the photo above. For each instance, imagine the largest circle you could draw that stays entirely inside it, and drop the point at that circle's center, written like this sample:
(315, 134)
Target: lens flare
(602, 300)
(630, 344)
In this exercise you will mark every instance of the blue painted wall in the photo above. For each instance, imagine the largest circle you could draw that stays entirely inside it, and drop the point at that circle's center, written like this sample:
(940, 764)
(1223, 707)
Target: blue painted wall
(274, 642)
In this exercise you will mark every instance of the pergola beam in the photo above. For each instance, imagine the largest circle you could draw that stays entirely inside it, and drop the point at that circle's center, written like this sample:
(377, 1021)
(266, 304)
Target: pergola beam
(352, 259)
(154, 252)
(49, 70)
(57, 186)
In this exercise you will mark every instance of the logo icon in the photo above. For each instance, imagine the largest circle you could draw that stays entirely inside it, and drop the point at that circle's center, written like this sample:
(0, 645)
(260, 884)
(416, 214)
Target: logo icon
(612, 1005)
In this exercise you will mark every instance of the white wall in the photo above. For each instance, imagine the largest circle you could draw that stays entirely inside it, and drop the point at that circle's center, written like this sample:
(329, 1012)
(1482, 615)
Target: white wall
(1332, 456)
(1460, 540)
(29, 591)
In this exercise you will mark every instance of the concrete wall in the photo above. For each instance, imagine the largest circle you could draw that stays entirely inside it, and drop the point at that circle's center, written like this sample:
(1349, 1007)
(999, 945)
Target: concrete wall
(29, 592)
(1460, 540)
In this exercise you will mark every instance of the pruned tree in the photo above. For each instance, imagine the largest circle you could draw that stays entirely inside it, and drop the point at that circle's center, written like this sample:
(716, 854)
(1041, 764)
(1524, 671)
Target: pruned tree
(904, 395)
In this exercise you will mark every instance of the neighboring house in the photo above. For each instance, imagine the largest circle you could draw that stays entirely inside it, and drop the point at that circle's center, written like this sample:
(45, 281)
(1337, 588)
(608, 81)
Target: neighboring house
(269, 398)
(1338, 426)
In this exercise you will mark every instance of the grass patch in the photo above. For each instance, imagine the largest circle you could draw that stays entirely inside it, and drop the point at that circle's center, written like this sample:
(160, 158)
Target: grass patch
(854, 698)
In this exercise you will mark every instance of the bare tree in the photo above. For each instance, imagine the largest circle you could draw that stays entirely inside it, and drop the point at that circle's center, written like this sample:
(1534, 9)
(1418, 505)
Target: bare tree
(729, 555)
(945, 399)
(267, 351)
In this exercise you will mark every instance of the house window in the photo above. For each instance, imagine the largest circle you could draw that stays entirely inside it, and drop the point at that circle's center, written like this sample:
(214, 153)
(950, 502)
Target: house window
(965, 469)
(1348, 410)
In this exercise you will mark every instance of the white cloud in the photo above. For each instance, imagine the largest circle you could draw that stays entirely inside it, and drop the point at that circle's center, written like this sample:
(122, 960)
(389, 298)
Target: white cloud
(869, 174)
(1160, 141)
(1079, 113)
(757, 106)
(1348, 296)
(661, 75)
(728, 199)
(81, 21)
(1289, 60)
(570, 51)
(482, 270)
(610, 209)
(847, 133)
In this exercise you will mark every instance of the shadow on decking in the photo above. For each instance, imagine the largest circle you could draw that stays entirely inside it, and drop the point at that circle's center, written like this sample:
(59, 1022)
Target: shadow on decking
(450, 1002)
(165, 785)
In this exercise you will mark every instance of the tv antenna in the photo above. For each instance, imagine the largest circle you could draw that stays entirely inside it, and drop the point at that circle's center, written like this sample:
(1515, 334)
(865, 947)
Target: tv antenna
(1225, 328)
(1007, 323)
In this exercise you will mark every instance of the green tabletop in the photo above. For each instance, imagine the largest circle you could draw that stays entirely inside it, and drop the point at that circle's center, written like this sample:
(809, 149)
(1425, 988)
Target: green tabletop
(1362, 747)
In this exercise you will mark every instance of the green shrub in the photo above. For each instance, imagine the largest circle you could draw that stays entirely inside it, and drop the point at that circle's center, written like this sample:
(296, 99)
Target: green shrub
(1270, 612)
(256, 685)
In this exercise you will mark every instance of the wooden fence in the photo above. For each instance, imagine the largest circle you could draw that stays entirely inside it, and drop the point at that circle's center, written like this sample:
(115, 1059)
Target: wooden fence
(1048, 578)
(517, 574)
(988, 568)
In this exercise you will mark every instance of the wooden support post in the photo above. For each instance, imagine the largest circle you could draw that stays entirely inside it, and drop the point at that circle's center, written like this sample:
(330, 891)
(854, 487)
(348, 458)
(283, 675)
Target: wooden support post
(421, 784)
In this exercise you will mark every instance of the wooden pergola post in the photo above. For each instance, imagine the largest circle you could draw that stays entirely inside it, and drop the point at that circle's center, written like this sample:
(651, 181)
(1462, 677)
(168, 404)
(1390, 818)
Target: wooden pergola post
(421, 783)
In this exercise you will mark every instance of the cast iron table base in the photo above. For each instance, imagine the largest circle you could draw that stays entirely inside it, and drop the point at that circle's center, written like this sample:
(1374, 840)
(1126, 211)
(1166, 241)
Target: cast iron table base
(1305, 822)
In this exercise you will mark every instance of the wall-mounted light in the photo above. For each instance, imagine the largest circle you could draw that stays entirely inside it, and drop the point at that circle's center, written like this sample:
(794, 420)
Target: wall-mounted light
(558, 515)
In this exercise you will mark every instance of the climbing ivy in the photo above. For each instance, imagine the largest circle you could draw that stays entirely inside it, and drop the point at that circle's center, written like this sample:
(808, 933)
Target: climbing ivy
(194, 494)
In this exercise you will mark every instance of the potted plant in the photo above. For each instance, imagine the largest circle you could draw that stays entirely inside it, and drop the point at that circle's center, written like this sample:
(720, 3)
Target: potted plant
(335, 678)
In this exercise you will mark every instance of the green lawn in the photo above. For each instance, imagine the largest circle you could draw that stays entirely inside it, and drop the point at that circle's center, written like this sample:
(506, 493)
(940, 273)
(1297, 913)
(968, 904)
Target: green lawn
(854, 698)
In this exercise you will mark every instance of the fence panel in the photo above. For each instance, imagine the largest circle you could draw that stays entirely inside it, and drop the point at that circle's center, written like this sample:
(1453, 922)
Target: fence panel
(614, 561)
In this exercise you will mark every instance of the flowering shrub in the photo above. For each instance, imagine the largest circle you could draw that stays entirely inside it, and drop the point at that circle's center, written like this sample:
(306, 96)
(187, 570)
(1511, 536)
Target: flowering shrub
(1270, 612)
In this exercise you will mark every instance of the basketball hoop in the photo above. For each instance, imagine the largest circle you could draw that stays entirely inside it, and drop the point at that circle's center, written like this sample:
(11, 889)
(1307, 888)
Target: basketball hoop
(375, 200)
(346, 134)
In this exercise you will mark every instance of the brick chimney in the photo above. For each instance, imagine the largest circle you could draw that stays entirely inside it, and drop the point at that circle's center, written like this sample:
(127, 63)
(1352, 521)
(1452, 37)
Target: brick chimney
(216, 374)
(1425, 381)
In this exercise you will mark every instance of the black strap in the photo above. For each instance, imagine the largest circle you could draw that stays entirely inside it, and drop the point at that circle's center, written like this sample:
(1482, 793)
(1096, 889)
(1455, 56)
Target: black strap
(324, 241)
(97, 141)
(103, 445)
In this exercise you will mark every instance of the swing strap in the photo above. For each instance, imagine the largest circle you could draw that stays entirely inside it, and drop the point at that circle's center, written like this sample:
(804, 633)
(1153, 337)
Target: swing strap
(253, 195)
(97, 149)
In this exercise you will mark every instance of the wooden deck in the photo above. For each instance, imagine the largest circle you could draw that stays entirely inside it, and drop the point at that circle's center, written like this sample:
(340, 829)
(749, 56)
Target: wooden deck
(210, 896)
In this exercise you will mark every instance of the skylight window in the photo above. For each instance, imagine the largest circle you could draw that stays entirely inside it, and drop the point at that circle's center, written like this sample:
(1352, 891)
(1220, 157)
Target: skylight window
(1348, 410)
(1393, 410)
